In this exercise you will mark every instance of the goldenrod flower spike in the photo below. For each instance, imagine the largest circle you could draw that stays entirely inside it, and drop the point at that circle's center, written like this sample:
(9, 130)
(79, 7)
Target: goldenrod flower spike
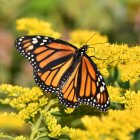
(34, 26)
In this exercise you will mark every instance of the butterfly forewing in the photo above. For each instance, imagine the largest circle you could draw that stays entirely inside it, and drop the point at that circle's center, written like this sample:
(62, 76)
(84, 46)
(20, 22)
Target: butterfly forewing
(43, 52)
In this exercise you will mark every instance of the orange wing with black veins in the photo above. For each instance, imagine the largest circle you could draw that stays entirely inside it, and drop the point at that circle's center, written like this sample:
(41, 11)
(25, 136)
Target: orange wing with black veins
(92, 89)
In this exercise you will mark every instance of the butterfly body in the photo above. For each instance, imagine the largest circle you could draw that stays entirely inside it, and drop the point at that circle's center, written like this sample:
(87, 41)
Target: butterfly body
(80, 52)
(62, 69)
(77, 58)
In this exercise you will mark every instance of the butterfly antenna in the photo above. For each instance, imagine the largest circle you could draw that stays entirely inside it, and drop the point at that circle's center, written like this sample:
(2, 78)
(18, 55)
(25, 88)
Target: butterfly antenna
(97, 43)
(90, 38)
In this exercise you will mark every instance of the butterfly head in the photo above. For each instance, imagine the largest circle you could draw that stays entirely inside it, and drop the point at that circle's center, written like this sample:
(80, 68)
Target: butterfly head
(83, 49)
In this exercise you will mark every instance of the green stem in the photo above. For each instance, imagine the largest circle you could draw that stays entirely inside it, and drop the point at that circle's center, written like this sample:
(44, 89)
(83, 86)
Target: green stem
(51, 102)
(35, 128)
(7, 137)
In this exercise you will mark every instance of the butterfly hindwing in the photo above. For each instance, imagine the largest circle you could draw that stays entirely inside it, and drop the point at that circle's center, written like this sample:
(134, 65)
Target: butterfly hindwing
(68, 86)
(92, 88)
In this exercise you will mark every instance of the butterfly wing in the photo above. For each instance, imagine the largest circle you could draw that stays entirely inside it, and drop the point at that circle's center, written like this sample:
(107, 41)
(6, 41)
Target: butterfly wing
(49, 57)
(66, 88)
(92, 89)
(49, 80)
(43, 52)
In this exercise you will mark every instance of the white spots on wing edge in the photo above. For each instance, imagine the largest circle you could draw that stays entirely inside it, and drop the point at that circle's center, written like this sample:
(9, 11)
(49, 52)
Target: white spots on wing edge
(30, 47)
(102, 88)
(41, 43)
(44, 40)
(34, 40)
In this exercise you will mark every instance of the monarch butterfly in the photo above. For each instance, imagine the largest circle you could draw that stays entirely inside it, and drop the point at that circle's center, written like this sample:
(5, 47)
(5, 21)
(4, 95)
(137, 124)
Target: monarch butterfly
(63, 69)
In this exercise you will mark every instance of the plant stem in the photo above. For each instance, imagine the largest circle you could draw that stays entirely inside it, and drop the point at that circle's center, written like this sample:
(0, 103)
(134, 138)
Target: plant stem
(35, 128)
(7, 137)
(51, 102)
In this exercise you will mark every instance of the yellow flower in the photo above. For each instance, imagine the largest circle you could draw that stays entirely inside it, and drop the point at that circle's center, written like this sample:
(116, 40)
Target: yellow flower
(82, 36)
(29, 112)
(130, 71)
(43, 101)
(79, 134)
(28, 101)
(69, 110)
(116, 125)
(10, 121)
(132, 100)
(55, 129)
(116, 94)
(20, 138)
(125, 58)
(51, 122)
(34, 26)
(12, 91)
(30, 95)
(67, 130)
(56, 109)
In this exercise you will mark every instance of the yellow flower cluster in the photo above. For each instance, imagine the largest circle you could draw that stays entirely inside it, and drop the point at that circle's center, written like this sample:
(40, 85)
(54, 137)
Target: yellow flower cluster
(31, 102)
(127, 60)
(12, 91)
(80, 37)
(116, 94)
(69, 110)
(10, 121)
(55, 129)
(117, 124)
(28, 101)
(20, 138)
(36, 27)
(31, 95)
(132, 100)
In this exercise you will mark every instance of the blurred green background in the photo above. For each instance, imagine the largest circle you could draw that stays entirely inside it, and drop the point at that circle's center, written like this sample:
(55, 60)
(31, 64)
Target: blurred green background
(118, 19)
